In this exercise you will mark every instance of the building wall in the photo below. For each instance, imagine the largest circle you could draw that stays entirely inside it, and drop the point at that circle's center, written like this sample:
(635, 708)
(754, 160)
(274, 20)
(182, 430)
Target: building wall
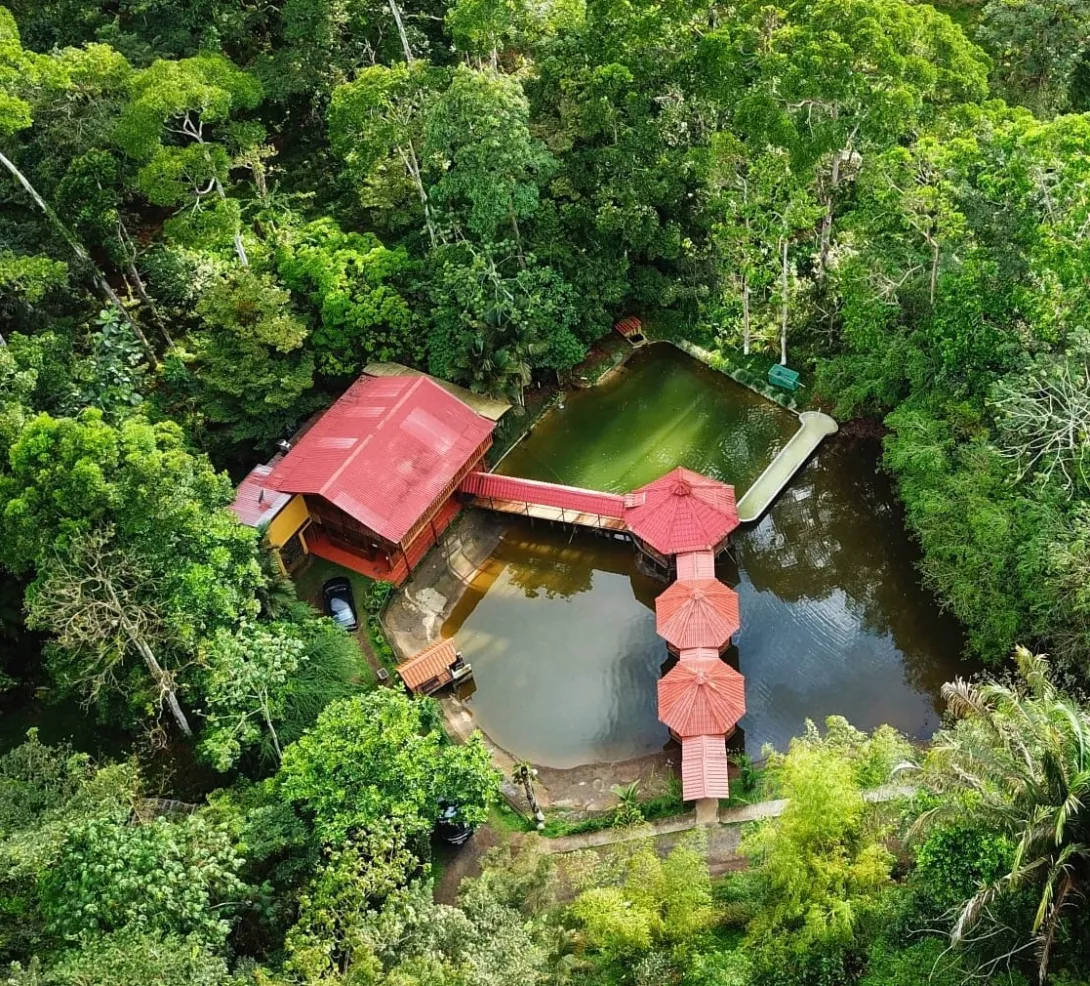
(287, 522)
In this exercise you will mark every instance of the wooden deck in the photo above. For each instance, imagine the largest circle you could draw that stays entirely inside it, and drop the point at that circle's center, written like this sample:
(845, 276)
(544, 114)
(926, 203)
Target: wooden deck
(814, 428)
(539, 512)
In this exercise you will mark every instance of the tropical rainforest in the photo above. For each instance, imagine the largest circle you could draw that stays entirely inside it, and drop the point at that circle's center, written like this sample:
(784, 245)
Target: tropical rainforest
(215, 213)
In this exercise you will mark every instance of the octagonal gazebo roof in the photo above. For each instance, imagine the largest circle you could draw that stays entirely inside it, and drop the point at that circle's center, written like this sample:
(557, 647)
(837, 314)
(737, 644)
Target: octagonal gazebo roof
(682, 511)
(697, 613)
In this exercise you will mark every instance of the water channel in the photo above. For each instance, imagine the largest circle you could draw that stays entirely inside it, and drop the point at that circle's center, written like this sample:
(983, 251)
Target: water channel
(560, 628)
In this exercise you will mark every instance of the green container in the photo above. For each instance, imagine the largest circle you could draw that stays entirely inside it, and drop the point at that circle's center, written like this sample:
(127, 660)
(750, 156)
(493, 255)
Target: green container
(786, 379)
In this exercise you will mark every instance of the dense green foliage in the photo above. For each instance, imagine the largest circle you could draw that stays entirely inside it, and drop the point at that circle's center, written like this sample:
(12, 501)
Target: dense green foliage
(216, 212)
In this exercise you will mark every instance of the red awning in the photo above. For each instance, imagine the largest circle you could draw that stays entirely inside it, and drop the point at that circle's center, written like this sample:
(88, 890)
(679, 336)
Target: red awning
(682, 512)
(704, 768)
(702, 696)
(697, 613)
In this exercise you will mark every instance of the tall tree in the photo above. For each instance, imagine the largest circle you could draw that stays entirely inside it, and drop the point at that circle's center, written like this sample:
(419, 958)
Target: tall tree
(183, 121)
(1019, 758)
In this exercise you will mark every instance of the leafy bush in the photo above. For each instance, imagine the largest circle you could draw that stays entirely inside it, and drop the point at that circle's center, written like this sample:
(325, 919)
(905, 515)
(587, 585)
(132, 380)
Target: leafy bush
(955, 860)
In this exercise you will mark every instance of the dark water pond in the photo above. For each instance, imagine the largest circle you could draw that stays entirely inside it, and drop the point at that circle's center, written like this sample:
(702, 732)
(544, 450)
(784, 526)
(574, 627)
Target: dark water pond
(560, 629)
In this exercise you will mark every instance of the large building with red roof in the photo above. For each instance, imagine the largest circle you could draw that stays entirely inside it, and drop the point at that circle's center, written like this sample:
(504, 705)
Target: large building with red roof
(370, 485)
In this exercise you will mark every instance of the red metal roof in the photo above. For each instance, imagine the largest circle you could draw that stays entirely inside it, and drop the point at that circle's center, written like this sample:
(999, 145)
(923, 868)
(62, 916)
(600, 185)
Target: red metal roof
(497, 487)
(704, 768)
(696, 565)
(255, 502)
(385, 451)
(682, 512)
(698, 653)
(697, 613)
(431, 662)
(628, 326)
(704, 695)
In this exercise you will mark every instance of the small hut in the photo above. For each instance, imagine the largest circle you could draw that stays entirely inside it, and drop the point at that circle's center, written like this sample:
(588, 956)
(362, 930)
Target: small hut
(433, 668)
(679, 513)
(702, 696)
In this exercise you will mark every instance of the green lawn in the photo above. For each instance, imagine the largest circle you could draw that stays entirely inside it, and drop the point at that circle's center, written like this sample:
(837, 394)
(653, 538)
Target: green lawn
(371, 637)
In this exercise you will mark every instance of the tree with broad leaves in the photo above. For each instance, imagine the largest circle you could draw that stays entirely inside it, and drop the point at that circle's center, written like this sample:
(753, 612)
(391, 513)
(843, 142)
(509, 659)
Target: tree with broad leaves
(183, 122)
(1017, 761)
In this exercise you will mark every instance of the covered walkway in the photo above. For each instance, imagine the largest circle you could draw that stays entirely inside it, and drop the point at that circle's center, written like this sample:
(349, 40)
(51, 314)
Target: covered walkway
(545, 501)
(679, 521)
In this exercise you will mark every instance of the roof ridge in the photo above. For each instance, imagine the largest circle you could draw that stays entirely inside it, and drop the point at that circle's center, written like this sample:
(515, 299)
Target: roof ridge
(394, 408)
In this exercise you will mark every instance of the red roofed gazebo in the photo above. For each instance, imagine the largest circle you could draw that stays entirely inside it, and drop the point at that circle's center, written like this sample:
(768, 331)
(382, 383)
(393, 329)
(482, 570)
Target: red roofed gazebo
(702, 696)
(681, 512)
(697, 613)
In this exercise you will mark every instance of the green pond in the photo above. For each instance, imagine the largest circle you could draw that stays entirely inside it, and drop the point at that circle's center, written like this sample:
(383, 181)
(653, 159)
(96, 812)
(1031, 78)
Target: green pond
(560, 628)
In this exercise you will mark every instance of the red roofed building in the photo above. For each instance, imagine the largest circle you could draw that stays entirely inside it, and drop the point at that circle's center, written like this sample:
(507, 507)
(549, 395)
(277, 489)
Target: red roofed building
(681, 512)
(377, 473)
(697, 613)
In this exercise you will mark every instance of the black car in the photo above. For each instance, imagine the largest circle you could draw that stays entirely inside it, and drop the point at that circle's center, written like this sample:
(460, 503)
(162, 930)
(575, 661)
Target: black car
(339, 604)
(450, 828)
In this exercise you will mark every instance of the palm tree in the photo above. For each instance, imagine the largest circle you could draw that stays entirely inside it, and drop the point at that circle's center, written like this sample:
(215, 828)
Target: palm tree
(1022, 753)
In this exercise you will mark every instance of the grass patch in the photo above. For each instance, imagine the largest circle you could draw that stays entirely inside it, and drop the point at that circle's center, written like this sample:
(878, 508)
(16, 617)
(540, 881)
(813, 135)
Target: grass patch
(750, 371)
(370, 597)
(653, 809)
(609, 351)
(504, 818)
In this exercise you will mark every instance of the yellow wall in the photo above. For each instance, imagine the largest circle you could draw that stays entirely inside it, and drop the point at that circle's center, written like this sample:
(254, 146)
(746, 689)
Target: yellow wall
(287, 522)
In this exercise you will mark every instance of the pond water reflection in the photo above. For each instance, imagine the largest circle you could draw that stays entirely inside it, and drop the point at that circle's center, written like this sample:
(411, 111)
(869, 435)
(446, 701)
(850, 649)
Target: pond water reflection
(560, 629)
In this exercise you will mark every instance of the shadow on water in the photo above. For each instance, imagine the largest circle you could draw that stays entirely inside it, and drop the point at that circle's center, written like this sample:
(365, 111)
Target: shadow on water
(560, 629)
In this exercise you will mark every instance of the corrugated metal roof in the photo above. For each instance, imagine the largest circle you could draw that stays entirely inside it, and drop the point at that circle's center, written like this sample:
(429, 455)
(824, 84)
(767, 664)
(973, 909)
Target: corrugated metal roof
(486, 407)
(432, 662)
(698, 653)
(547, 494)
(696, 565)
(628, 326)
(697, 613)
(704, 768)
(384, 451)
(702, 696)
(255, 502)
(682, 512)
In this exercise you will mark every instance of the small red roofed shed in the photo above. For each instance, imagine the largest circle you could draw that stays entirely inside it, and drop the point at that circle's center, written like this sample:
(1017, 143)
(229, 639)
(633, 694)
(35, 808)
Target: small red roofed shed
(682, 512)
(432, 668)
(697, 613)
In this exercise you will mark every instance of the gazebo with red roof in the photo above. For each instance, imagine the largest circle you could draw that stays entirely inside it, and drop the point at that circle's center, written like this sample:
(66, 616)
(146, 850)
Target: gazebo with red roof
(697, 613)
(704, 695)
(681, 512)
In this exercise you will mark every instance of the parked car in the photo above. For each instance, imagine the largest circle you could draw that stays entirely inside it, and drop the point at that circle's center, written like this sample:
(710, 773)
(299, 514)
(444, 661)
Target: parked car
(450, 828)
(339, 604)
